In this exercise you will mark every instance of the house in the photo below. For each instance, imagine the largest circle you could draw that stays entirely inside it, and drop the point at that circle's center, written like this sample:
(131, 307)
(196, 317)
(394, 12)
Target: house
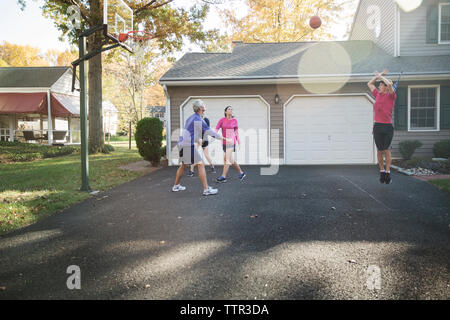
(308, 102)
(157, 112)
(110, 118)
(29, 94)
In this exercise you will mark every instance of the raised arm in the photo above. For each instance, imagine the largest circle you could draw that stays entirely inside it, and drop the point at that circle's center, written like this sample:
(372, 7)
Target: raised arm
(371, 83)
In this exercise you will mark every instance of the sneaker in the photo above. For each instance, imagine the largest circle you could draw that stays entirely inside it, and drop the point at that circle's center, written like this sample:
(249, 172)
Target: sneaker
(388, 179)
(242, 175)
(221, 179)
(178, 188)
(210, 191)
(190, 174)
(213, 170)
(382, 177)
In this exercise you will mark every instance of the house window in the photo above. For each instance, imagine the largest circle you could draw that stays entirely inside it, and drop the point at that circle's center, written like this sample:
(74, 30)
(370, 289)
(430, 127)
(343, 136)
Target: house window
(424, 108)
(444, 23)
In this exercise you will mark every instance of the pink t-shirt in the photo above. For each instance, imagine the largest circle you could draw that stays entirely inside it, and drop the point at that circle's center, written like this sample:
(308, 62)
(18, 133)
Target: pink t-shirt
(383, 106)
(229, 129)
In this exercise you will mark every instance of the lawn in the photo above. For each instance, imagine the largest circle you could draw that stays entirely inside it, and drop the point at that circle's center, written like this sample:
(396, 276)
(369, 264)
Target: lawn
(30, 191)
(443, 184)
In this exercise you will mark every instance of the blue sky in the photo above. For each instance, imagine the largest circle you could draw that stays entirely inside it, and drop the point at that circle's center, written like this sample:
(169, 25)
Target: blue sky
(30, 27)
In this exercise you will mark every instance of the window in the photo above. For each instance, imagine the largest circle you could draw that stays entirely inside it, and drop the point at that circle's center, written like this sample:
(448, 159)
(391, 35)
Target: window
(424, 108)
(4, 129)
(444, 23)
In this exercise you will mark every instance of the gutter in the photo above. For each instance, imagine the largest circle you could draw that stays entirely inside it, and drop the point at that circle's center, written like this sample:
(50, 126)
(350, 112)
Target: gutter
(295, 79)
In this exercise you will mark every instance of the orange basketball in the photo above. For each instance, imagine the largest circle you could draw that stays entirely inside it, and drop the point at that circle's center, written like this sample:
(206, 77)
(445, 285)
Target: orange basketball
(315, 22)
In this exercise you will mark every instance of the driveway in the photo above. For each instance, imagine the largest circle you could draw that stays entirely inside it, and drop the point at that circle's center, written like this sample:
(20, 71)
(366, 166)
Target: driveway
(309, 232)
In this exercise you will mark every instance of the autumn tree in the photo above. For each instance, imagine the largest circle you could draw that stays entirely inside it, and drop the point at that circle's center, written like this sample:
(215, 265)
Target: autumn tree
(170, 26)
(283, 20)
(132, 82)
(15, 55)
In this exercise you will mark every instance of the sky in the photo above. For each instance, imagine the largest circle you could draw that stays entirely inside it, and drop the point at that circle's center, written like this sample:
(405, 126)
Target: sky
(30, 27)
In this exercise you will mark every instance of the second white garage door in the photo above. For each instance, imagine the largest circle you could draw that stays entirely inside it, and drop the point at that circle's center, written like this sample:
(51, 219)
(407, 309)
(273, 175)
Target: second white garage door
(329, 130)
(252, 114)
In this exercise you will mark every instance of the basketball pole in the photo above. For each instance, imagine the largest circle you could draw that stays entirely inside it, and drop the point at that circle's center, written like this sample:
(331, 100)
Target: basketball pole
(81, 61)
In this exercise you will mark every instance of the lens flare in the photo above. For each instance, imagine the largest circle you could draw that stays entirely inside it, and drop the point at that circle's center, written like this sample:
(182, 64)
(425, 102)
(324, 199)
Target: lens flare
(324, 59)
(409, 5)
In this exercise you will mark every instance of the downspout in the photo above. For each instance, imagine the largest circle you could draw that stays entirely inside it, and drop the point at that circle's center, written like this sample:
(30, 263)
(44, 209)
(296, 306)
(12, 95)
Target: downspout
(168, 128)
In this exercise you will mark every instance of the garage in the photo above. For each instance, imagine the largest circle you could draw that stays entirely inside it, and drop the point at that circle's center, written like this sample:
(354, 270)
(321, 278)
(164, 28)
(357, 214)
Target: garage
(329, 130)
(252, 113)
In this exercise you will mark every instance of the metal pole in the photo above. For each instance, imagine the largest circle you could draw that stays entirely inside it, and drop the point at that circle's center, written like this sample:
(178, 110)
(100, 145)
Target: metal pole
(83, 119)
(129, 136)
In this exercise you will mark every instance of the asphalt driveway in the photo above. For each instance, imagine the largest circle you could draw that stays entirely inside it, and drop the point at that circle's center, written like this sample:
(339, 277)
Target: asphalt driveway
(319, 232)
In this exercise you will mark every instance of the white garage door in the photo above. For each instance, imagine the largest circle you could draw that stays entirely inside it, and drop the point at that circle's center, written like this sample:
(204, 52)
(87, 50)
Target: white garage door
(329, 130)
(252, 114)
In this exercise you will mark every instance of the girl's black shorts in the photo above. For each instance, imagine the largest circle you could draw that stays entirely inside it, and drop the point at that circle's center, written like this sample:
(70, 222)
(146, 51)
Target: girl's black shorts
(383, 134)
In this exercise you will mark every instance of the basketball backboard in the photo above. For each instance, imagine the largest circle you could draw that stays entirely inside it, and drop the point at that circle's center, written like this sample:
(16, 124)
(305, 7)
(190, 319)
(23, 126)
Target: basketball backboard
(118, 18)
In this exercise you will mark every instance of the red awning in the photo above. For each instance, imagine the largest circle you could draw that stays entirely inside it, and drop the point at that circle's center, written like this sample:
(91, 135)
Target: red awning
(20, 103)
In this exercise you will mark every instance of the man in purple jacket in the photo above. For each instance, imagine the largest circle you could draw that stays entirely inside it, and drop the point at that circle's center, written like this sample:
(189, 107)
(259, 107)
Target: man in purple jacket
(194, 130)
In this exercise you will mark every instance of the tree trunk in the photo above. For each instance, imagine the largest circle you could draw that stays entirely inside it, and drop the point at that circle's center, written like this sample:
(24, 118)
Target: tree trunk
(96, 135)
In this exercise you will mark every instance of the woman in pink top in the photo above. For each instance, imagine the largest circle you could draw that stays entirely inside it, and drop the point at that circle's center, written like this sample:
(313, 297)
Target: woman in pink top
(229, 126)
(383, 130)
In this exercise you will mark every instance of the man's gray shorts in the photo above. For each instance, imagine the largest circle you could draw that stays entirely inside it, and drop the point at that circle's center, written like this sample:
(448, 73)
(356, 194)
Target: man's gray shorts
(189, 155)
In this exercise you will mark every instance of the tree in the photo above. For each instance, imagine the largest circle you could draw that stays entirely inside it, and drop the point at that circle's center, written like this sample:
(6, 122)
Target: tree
(132, 83)
(65, 58)
(15, 55)
(283, 20)
(169, 25)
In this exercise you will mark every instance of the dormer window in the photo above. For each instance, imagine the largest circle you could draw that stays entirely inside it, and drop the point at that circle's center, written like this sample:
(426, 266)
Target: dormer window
(444, 23)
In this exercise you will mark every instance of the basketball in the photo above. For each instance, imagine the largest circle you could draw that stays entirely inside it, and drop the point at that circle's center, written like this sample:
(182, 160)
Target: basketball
(315, 22)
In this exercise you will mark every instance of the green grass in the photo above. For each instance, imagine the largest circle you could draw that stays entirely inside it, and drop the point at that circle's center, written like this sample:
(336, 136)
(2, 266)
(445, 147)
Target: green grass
(443, 184)
(118, 138)
(30, 191)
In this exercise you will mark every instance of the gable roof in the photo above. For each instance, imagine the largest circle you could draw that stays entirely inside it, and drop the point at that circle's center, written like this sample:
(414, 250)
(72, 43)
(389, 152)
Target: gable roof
(277, 61)
(30, 77)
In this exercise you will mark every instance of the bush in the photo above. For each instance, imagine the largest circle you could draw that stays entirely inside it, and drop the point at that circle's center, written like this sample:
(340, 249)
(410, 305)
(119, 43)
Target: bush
(441, 149)
(58, 151)
(107, 148)
(408, 147)
(18, 151)
(148, 139)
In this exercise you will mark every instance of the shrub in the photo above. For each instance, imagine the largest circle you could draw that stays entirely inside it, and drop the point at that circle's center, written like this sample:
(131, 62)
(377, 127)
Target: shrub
(148, 139)
(408, 147)
(441, 149)
(107, 148)
(17, 151)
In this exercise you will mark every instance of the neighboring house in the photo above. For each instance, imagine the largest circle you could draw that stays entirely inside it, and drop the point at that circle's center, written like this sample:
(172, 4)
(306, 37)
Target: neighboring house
(157, 112)
(29, 96)
(110, 118)
(308, 102)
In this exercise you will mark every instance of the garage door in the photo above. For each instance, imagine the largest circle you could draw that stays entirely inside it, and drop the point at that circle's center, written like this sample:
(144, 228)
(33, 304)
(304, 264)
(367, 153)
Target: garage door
(329, 130)
(252, 114)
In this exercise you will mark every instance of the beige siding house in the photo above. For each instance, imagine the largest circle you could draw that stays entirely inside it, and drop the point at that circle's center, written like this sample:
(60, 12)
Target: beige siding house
(308, 102)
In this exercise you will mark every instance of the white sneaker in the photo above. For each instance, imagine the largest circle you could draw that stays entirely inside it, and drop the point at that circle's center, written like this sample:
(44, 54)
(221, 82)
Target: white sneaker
(210, 191)
(178, 188)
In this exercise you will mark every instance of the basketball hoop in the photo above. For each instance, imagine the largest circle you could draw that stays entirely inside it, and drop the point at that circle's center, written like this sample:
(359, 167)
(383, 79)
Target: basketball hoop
(135, 35)
(138, 40)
